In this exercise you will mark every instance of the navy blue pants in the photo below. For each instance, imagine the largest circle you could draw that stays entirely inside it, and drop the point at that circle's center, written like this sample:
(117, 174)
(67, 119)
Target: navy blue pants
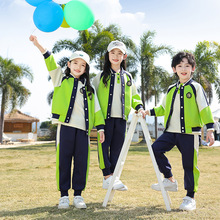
(72, 146)
(115, 129)
(188, 147)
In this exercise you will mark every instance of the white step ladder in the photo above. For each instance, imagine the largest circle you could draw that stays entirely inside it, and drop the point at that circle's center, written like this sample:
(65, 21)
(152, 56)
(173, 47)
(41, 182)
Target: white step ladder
(123, 155)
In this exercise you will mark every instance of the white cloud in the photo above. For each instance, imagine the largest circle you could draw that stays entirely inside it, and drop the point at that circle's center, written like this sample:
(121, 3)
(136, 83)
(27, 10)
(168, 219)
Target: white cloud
(133, 24)
(110, 12)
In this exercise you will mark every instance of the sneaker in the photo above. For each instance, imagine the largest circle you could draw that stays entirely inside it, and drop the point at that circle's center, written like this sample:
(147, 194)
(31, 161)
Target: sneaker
(64, 202)
(79, 203)
(168, 185)
(188, 204)
(118, 185)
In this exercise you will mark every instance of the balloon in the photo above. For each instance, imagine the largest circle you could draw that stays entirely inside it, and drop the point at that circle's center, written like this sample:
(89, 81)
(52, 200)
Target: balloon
(64, 24)
(36, 2)
(78, 15)
(61, 1)
(48, 16)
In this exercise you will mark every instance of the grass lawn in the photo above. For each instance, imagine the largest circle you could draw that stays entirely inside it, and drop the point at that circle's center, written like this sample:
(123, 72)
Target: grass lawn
(28, 187)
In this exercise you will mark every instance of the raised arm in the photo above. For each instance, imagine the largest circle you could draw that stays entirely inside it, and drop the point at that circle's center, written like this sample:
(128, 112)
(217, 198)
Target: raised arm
(34, 39)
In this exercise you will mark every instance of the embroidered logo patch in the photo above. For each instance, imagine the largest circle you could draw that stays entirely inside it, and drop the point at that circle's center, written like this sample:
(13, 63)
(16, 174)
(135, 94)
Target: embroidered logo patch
(129, 83)
(188, 95)
(117, 44)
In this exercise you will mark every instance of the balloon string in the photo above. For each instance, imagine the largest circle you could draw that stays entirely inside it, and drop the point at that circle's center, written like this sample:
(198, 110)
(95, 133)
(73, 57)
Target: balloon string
(33, 31)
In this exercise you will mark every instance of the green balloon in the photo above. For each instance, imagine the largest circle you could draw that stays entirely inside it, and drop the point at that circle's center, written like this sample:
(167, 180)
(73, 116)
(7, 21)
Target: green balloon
(78, 15)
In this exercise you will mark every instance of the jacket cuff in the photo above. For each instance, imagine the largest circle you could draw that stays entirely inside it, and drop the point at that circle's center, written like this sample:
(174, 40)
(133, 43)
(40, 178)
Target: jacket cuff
(138, 107)
(99, 127)
(152, 112)
(210, 126)
(47, 54)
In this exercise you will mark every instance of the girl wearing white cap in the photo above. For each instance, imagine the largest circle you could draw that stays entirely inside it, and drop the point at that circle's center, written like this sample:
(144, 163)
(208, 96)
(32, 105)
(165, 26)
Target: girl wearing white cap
(117, 94)
(76, 110)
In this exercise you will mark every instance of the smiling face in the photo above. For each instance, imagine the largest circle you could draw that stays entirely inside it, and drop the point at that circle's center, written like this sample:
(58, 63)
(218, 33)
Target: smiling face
(184, 70)
(77, 67)
(116, 56)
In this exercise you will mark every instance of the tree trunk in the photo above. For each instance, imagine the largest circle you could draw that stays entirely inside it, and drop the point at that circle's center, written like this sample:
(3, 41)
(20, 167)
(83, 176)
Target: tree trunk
(2, 117)
(142, 87)
(142, 93)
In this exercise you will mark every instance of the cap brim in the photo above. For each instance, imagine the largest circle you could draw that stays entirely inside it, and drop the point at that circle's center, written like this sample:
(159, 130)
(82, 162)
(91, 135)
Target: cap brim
(123, 51)
(80, 58)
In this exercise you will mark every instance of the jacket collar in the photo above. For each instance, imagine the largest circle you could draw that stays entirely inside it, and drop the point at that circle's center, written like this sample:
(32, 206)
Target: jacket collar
(82, 80)
(184, 84)
(121, 70)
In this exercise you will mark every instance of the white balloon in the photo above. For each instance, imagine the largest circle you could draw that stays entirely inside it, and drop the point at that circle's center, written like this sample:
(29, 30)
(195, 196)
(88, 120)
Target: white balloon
(61, 1)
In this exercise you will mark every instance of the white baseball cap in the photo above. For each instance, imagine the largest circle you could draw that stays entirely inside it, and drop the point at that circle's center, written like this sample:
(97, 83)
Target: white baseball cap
(80, 54)
(117, 44)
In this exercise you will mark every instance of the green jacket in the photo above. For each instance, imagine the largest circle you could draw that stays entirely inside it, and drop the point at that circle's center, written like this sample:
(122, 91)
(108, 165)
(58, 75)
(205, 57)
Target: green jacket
(64, 97)
(129, 96)
(194, 107)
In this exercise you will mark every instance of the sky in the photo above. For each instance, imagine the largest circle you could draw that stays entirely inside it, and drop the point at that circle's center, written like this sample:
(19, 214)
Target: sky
(179, 24)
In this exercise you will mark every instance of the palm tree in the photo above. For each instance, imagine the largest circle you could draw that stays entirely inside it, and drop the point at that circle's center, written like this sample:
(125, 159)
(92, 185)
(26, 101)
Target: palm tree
(207, 56)
(93, 41)
(12, 91)
(151, 75)
(145, 55)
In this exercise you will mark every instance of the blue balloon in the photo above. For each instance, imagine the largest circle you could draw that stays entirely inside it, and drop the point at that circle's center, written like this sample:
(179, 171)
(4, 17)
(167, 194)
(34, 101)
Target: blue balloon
(36, 2)
(48, 16)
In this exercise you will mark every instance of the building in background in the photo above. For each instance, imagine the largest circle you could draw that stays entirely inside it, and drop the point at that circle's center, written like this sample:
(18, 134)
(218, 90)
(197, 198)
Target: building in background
(18, 126)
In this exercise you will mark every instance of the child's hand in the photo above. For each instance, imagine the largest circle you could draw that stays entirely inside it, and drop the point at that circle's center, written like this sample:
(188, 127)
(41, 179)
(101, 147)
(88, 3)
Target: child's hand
(102, 136)
(33, 39)
(147, 112)
(210, 137)
(143, 113)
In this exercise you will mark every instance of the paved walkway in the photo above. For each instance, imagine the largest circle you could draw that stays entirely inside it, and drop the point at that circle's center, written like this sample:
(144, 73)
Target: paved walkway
(22, 144)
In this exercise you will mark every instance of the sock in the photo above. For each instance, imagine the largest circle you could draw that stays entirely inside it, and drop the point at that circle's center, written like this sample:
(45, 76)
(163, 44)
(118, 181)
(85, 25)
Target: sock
(64, 193)
(77, 192)
(190, 194)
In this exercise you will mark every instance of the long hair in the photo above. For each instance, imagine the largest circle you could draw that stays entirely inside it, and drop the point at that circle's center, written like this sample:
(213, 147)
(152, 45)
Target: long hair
(83, 76)
(107, 67)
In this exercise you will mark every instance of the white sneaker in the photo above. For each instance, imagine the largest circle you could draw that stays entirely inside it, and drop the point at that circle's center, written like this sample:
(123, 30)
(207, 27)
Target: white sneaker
(118, 185)
(188, 204)
(79, 203)
(168, 185)
(64, 202)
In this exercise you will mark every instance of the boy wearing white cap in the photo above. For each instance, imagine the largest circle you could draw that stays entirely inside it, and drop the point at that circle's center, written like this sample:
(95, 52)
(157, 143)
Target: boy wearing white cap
(117, 94)
(76, 110)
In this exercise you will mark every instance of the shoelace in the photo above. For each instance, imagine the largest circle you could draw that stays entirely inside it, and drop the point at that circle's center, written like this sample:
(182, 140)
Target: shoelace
(80, 199)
